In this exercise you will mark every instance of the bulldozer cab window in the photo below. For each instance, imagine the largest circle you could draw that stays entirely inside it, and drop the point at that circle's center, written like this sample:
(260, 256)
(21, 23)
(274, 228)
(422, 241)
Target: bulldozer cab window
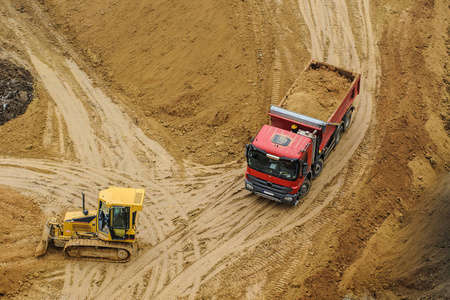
(103, 217)
(133, 223)
(119, 221)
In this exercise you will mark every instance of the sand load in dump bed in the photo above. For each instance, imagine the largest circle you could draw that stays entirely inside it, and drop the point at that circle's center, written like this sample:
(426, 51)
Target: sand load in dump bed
(318, 93)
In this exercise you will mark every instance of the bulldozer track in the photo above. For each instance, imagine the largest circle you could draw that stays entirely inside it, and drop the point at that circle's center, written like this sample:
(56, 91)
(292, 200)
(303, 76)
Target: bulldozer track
(98, 246)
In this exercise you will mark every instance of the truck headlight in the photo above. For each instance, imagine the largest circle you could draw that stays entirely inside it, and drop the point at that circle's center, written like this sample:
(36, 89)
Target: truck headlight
(288, 199)
(249, 186)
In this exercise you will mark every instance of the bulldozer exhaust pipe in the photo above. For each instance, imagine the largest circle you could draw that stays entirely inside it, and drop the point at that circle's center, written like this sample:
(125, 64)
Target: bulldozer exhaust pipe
(82, 193)
(85, 212)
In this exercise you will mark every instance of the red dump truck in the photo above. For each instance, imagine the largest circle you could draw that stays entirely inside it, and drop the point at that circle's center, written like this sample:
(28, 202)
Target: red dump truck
(287, 155)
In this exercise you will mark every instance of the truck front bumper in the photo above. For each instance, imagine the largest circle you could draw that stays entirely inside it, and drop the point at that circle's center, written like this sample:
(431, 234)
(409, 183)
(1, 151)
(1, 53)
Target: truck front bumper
(270, 192)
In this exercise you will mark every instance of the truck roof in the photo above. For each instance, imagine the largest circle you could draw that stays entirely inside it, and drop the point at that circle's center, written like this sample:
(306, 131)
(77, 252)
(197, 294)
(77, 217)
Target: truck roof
(280, 142)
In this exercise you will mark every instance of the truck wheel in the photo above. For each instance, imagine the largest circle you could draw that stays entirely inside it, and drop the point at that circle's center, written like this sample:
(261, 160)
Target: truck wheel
(338, 135)
(348, 120)
(317, 169)
(304, 189)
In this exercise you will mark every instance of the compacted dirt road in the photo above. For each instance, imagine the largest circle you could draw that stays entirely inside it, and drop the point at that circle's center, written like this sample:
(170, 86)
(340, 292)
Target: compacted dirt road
(201, 235)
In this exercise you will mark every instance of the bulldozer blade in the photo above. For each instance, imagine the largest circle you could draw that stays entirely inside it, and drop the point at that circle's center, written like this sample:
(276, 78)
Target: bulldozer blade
(43, 243)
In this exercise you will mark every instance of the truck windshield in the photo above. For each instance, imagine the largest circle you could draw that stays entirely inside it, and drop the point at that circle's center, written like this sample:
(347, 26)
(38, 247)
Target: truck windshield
(282, 168)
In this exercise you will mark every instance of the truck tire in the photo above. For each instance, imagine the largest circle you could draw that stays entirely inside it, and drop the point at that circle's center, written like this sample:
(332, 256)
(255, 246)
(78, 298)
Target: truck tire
(304, 189)
(348, 120)
(338, 135)
(317, 169)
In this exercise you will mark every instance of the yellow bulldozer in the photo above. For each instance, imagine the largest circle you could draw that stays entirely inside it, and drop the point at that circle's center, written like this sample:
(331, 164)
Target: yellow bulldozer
(107, 233)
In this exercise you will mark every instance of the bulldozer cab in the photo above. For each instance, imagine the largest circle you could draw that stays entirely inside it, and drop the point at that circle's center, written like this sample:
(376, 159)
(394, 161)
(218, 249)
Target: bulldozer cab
(117, 213)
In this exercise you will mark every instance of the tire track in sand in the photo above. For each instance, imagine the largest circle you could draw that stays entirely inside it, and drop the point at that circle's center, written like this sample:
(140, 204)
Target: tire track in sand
(196, 235)
(102, 134)
(327, 33)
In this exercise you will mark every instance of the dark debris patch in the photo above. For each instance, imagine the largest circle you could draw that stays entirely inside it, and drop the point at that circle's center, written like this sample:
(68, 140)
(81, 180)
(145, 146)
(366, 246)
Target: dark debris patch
(16, 90)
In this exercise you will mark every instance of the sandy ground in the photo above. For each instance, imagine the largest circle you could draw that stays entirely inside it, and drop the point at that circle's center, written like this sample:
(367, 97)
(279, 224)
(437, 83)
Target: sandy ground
(164, 96)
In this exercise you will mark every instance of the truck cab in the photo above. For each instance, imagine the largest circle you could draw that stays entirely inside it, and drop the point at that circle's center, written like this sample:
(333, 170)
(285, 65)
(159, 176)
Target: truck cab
(279, 163)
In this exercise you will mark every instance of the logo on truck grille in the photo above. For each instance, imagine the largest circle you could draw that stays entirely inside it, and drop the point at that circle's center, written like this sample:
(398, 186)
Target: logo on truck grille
(269, 184)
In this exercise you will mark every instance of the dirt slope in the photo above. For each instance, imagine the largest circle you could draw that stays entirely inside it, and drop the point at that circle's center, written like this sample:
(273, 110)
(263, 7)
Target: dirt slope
(412, 110)
(191, 71)
(419, 151)
(391, 269)
(126, 90)
(20, 227)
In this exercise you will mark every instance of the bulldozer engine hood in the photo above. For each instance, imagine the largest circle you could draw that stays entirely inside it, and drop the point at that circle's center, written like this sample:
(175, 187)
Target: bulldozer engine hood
(78, 216)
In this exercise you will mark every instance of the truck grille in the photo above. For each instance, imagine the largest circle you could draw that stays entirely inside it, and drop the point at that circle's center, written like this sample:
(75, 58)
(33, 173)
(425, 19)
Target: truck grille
(269, 185)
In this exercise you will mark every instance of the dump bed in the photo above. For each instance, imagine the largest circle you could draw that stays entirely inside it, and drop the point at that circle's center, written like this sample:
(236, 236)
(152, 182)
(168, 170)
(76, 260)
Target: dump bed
(322, 91)
(317, 101)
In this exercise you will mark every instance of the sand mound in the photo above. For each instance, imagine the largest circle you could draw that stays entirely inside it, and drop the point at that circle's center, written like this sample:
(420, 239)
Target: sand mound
(318, 93)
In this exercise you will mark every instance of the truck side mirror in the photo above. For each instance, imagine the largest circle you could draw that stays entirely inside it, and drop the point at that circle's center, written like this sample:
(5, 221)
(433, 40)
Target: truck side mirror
(247, 148)
(305, 169)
